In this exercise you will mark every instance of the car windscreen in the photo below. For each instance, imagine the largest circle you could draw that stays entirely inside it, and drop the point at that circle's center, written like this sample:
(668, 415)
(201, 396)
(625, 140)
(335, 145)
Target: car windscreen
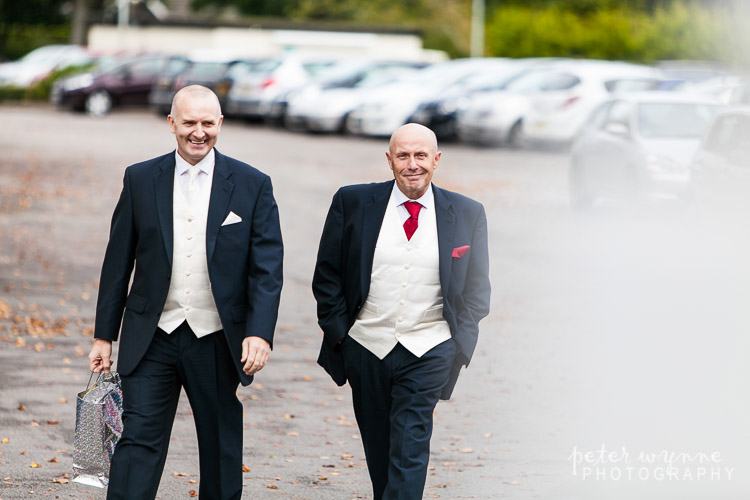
(677, 120)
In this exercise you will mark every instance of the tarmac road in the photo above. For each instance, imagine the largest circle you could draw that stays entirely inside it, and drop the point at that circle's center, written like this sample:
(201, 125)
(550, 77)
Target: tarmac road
(612, 364)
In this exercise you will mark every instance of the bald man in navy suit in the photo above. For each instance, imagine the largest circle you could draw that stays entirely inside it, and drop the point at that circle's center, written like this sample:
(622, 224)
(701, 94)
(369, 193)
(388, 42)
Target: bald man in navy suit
(401, 283)
(199, 233)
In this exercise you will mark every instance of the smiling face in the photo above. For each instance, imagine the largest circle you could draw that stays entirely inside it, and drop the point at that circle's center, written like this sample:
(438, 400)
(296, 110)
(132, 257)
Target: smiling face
(195, 120)
(413, 158)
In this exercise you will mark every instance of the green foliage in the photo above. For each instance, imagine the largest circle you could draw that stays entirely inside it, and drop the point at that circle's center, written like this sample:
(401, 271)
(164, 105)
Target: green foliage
(39, 91)
(678, 31)
(25, 38)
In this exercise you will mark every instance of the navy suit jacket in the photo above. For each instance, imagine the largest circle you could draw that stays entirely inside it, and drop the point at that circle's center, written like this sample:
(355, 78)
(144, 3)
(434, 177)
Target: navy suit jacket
(342, 273)
(244, 259)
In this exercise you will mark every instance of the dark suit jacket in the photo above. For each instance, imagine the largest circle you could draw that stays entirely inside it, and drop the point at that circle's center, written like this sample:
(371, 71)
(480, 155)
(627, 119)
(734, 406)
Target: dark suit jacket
(342, 273)
(244, 259)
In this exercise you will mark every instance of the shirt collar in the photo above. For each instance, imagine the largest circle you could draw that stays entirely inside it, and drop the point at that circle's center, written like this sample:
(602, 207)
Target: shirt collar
(427, 200)
(206, 165)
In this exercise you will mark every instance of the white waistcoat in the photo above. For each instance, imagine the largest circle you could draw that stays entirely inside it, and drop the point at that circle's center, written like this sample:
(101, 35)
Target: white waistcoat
(190, 297)
(405, 301)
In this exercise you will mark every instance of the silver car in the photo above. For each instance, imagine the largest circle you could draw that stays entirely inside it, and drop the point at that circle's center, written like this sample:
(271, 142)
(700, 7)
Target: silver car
(638, 147)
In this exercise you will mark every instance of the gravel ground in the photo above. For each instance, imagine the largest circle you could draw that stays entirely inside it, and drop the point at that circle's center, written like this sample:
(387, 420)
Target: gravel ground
(617, 339)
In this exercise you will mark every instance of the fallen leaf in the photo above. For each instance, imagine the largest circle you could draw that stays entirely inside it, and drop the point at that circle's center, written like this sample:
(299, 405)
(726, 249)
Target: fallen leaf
(288, 416)
(62, 400)
(293, 433)
(52, 460)
(307, 378)
(52, 422)
(467, 450)
(272, 487)
(59, 480)
(323, 478)
(4, 440)
(35, 465)
(192, 493)
(35, 424)
(245, 468)
(179, 474)
(65, 476)
(192, 481)
(21, 407)
(514, 483)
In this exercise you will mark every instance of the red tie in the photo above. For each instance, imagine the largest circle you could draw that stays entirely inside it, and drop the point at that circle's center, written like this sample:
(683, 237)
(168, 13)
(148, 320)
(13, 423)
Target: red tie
(413, 221)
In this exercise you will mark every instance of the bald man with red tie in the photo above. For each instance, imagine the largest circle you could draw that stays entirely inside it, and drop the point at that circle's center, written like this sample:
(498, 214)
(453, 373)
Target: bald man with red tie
(401, 282)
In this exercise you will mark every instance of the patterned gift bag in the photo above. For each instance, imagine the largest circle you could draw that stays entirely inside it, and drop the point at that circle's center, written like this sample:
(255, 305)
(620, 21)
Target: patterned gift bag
(98, 428)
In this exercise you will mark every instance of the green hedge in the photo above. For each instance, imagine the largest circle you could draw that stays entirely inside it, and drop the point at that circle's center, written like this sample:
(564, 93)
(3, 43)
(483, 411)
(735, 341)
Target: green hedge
(40, 90)
(23, 39)
(678, 32)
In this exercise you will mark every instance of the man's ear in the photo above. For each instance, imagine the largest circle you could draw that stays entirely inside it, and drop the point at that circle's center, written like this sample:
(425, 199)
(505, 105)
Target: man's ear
(171, 123)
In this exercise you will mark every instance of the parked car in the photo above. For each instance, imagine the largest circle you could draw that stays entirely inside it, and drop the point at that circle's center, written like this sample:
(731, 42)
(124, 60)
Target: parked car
(126, 84)
(324, 105)
(556, 114)
(495, 115)
(390, 106)
(637, 147)
(37, 64)
(258, 84)
(215, 71)
(440, 112)
(721, 165)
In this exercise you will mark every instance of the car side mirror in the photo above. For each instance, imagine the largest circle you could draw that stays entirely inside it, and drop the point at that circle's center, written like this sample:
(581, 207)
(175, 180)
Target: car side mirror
(618, 129)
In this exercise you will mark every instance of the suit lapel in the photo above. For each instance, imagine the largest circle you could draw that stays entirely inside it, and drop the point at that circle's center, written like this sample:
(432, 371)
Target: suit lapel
(221, 191)
(372, 220)
(164, 187)
(445, 216)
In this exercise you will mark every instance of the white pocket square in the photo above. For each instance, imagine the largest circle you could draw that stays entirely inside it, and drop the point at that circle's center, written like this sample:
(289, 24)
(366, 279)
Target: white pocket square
(232, 218)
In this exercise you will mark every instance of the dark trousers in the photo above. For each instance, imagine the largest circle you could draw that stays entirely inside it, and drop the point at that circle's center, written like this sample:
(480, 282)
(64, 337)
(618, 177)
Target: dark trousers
(394, 399)
(150, 394)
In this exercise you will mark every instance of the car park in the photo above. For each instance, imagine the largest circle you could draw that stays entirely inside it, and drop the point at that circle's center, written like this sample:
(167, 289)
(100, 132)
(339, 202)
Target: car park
(39, 63)
(440, 112)
(324, 105)
(127, 84)
(637, 147)
(390, 106)
(575, 88)
(495, 115)
(257, 85)
(215, 71)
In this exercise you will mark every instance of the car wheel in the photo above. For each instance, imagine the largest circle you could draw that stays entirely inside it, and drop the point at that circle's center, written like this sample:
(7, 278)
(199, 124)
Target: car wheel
(348, 125)
(98, 103)
(516, 139)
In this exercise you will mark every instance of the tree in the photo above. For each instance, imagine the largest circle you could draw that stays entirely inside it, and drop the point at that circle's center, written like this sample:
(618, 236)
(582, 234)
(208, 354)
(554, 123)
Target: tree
(14, 14)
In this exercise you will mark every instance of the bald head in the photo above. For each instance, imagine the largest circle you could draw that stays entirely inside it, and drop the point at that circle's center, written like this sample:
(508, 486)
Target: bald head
(414, 132)
(193, 92)
(413, 157)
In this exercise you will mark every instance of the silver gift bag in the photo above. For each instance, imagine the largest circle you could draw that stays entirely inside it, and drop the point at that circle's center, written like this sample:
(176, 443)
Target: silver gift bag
(98, 428)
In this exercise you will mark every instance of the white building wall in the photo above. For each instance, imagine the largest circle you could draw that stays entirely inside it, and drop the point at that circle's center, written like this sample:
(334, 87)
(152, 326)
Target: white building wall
(254, 42)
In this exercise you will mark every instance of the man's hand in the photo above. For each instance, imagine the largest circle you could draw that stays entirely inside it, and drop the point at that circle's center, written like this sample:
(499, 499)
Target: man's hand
(255, 352)
(99, 357)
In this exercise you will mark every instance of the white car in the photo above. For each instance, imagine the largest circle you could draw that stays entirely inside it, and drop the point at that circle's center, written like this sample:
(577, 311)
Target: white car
(324, 105)
(721, 167)
(255, 86)
(389, 107)
(37, 64)
(556, 114)
(638, 147)
(496, 116)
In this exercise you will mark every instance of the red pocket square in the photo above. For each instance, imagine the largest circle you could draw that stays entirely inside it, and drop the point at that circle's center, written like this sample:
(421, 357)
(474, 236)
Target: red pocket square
(459, 252)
